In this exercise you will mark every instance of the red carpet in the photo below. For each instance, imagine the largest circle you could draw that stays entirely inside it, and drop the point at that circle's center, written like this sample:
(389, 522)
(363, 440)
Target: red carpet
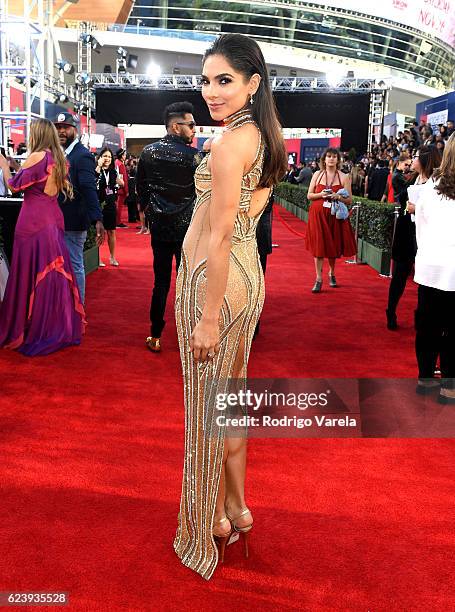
(91, 459)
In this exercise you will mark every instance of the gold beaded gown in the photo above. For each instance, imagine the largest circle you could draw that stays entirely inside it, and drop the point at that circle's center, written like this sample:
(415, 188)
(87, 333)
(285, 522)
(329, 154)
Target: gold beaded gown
(242, 305)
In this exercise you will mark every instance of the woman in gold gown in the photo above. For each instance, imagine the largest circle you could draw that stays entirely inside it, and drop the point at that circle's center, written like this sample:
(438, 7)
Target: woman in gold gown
(220, 292)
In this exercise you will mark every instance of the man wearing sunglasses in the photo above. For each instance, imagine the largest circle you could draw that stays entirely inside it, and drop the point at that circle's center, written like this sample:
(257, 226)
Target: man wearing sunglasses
(165, 188)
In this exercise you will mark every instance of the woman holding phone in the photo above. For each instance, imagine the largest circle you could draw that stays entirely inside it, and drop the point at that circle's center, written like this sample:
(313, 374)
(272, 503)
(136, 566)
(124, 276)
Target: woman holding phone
(107, 185)
(327, 236)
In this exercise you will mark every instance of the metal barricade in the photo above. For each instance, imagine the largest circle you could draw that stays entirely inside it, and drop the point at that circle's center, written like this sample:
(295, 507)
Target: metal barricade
(396, 213)
(355, 259)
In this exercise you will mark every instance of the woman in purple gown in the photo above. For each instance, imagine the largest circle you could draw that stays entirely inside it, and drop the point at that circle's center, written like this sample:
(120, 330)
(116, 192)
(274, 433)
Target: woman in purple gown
(41, 311)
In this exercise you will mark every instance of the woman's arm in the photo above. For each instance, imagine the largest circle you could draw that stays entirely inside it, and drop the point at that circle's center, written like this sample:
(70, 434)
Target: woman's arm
(311, 195)
(228, 156)
(32, 160)
(4, 165)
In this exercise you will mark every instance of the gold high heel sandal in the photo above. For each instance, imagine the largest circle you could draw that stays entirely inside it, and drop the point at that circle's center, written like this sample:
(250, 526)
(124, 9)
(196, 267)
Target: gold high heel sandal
(243, 531)
(222, 540)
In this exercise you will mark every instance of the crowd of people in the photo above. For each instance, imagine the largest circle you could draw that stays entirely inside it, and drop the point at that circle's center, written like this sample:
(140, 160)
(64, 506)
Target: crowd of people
(204, 214)
(371, 174)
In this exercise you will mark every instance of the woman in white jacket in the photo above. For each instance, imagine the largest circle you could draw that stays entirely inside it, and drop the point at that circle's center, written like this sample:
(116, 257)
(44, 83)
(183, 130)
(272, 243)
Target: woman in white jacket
(435, 274)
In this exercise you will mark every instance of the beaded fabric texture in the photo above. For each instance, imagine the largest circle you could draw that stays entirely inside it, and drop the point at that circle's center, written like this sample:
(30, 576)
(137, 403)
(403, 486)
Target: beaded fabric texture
(242, 305)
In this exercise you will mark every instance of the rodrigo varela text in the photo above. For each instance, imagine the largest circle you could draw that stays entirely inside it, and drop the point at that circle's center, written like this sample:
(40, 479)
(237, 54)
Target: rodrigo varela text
(285, 421)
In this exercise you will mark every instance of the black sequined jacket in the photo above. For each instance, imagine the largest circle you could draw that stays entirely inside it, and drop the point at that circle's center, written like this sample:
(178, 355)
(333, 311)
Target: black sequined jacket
(165, 186)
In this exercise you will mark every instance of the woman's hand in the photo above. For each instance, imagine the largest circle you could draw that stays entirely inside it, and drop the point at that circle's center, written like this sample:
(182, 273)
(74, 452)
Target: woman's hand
(410, 208)
(205, 340)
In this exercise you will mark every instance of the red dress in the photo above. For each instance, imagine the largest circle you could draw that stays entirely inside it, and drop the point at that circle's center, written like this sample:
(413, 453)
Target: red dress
(328, 236)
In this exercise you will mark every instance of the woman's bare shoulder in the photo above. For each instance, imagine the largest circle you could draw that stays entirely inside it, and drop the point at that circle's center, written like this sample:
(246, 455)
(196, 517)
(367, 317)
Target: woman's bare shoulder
(33, 159)
(239, 140)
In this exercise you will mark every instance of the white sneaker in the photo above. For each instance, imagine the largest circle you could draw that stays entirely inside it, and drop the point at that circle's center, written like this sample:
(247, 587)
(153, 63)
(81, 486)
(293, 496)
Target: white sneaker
(113, 261)
(101, 264)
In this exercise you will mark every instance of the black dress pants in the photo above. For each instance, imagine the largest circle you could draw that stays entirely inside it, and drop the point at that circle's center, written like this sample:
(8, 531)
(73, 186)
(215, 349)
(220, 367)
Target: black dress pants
(435, 333)
(163, 255)
(400, 273)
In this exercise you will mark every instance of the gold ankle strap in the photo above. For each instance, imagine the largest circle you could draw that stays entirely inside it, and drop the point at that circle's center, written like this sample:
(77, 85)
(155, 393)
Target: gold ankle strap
(245, 511)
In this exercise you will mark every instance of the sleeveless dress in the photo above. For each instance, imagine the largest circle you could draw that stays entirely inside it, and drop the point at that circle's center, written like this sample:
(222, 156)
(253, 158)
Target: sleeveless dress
(41, 311)
(242, 305)
(328, 236)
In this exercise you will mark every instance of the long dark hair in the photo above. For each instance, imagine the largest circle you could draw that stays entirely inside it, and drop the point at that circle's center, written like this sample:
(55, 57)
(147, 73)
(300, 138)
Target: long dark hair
(429, 158)
(245, 56)
(102, 152)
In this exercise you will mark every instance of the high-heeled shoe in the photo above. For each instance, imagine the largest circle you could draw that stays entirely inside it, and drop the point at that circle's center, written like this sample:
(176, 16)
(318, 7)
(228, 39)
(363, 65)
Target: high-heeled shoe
(317, 286)
(243, 531)
(222, 540)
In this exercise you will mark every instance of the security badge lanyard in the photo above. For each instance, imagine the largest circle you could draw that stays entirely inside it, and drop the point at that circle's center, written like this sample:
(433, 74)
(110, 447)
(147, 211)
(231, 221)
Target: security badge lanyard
(108, 189)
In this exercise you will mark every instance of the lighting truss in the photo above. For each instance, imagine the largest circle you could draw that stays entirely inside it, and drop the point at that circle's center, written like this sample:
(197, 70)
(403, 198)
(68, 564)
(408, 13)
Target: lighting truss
(186, 82)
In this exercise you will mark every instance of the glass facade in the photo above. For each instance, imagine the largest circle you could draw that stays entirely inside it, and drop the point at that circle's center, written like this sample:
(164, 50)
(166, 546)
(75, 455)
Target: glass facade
(302, 24)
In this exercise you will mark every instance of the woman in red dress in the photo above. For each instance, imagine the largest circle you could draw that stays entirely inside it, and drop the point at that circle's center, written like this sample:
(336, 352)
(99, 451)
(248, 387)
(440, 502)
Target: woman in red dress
(328, 236)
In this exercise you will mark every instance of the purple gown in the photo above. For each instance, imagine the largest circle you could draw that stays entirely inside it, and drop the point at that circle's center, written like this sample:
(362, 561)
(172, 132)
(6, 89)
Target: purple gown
(41, 311)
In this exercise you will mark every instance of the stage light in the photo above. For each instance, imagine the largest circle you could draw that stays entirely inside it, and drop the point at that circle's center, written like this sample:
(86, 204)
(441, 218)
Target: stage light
(60, 98)
(122, 52)
(153, 70)
(90, 40)
(333, 78)
(132, 61)
(21, 80)
(83, 78)
(65, 66)
(121, 66)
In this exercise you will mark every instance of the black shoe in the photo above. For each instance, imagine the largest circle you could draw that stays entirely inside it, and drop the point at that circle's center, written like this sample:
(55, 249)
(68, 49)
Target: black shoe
(122, 225)
(427, 386)
(332, 280)
(391, 320)
(317, 287)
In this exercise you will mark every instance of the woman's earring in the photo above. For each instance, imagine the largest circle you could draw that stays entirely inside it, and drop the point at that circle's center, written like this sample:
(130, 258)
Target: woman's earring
(251, 99)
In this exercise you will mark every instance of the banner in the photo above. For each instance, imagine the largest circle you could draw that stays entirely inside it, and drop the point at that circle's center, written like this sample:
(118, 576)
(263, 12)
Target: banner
(435, 17)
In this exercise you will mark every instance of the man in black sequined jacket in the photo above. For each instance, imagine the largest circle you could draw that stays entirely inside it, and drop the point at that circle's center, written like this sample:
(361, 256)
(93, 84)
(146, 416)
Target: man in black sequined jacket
(165, 188)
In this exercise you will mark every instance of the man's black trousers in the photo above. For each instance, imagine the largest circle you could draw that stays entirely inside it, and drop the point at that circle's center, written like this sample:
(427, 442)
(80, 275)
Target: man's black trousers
(163, 255)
